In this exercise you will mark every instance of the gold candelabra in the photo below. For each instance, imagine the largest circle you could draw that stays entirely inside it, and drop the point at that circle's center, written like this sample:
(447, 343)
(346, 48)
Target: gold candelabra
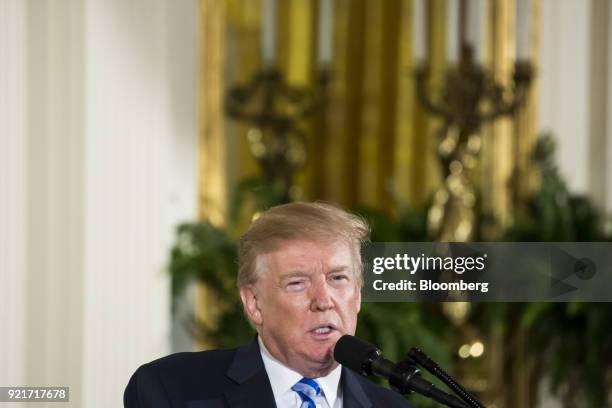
(275, 109)
(468, 98)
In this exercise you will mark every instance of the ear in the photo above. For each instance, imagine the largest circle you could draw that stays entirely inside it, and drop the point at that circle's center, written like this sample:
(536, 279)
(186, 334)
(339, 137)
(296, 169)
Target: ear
(358, 296)
(251, 307)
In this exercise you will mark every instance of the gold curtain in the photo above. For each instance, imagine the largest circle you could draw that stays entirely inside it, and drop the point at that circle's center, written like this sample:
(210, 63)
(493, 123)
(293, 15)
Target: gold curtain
(377, 150)
(212, 144)
(374, 144)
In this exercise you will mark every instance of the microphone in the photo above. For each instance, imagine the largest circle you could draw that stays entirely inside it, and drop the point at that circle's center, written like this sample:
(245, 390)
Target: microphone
(404, 377)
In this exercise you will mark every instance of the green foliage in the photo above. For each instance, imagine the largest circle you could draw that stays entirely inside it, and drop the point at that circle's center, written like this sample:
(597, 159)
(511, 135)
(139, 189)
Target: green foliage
(203, 252)
(576, 337)
(555, 215)
(580, 352)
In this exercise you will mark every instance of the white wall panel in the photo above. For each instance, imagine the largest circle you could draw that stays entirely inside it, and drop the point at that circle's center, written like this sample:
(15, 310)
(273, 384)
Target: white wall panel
(563, 78)
(13, 193)
(140, 170)
(55, 195)
(98, 148)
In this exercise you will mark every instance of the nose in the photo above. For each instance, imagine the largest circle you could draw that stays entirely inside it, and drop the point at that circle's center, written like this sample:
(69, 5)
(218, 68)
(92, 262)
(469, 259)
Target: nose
(321, 297)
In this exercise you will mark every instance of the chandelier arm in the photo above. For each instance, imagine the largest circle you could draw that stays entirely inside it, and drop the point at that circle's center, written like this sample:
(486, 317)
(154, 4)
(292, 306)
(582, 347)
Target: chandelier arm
(429, 105)
(420, 74)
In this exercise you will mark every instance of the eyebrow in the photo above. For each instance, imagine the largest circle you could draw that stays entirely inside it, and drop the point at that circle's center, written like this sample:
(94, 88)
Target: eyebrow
(297, 274)
(337, 269)
(291, 275)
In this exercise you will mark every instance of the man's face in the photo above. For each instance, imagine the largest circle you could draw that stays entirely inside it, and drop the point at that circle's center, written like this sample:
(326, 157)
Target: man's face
(306, 297)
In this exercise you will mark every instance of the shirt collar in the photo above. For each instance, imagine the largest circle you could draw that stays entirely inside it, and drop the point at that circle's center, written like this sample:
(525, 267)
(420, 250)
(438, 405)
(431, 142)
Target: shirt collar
(282, 378)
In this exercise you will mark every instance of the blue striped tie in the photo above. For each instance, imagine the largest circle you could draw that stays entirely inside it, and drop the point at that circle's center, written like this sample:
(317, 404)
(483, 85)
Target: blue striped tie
(308, 389)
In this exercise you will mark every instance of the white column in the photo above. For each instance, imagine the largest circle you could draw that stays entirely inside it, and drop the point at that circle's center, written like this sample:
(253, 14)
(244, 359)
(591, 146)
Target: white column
(140, 181)
(54, 297)
(576, 92)
(564, 83)
(98, 147)
(13, 204)
(599, 102)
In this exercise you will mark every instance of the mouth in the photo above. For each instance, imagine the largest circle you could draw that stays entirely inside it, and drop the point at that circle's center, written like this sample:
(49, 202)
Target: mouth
(324, 331)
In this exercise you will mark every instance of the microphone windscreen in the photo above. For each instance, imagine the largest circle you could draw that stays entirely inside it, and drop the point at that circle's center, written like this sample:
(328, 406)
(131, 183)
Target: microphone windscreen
(355, 354)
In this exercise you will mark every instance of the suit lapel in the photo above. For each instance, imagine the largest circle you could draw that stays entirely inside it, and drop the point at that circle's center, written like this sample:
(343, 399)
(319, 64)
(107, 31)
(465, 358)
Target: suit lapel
(248, 371)
(353, 394)
(254, 388)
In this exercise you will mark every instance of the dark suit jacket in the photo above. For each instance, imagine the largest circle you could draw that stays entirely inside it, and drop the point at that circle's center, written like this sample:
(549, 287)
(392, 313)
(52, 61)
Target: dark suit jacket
(233, 378)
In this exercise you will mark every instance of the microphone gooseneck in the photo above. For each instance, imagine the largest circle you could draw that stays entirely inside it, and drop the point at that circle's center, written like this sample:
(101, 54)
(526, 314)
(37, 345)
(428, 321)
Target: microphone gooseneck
(417, 356)
(404, 377)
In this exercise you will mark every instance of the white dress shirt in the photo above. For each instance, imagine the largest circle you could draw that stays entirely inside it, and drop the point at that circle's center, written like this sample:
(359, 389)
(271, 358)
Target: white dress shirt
(283, 378)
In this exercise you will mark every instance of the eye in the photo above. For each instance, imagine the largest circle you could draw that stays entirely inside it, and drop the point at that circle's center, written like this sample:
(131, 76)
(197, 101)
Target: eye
(340, 278)
(296, 285)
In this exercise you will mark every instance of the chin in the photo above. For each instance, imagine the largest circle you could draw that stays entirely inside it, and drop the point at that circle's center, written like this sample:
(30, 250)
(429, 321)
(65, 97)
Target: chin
(322, 354)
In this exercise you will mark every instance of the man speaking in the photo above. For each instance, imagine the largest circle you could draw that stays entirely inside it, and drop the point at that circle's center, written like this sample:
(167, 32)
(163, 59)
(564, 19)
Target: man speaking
(299, 278)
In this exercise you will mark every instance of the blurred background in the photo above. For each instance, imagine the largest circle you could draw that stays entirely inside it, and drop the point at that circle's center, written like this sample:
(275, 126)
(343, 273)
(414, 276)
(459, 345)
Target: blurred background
(138, 139)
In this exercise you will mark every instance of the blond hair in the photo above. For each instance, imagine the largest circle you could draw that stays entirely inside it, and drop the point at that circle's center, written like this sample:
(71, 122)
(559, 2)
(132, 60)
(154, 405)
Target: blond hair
(305, 221)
